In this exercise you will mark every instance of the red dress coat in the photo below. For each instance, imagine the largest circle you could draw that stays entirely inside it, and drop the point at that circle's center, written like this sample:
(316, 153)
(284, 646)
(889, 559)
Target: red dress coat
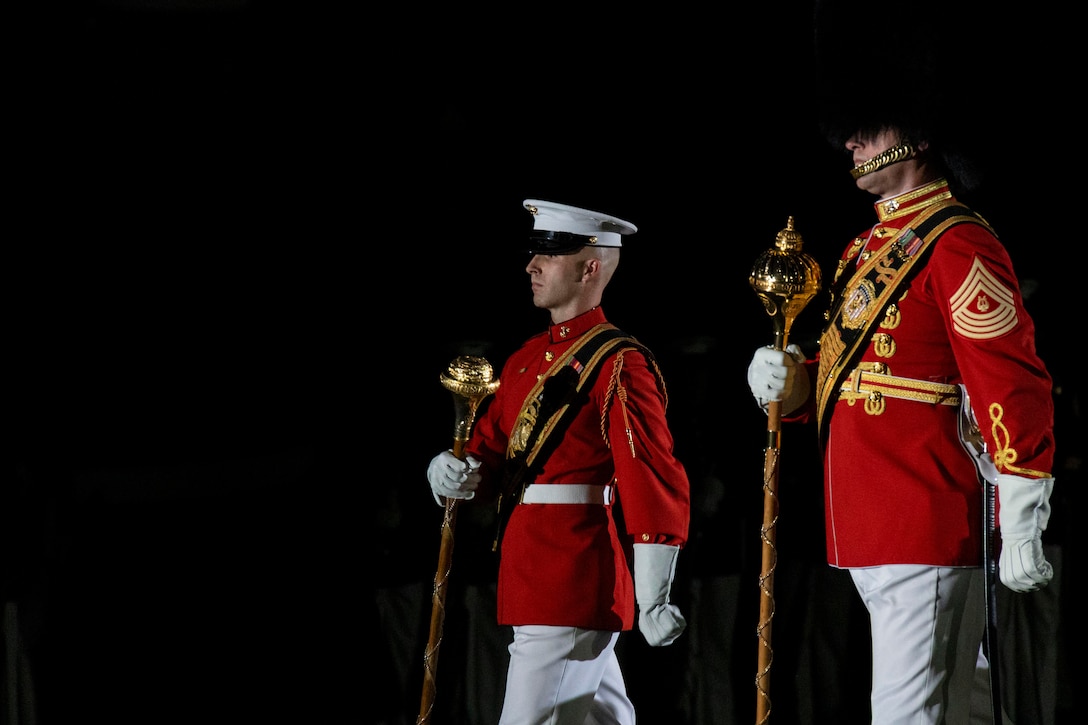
(567, 564)
(899, 487)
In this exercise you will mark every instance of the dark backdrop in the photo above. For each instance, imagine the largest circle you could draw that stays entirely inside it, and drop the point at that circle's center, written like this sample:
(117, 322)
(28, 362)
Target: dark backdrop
(246, 237)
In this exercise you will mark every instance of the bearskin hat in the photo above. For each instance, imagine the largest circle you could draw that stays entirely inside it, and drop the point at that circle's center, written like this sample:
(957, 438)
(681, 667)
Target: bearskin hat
(887, 64)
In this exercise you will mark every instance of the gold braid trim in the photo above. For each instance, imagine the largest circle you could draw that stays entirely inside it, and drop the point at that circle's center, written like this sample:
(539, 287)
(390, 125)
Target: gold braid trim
(1005, 455)
(609, 395)
(615, 390)
(660, 383)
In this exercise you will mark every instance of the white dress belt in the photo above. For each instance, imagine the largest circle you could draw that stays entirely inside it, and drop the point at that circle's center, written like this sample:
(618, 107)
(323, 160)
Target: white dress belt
(567, 493)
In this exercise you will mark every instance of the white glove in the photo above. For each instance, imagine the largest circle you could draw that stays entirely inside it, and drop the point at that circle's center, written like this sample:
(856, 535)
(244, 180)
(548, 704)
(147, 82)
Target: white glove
(778, 375)
(1024, 510)
(660, 622)
(450, 477)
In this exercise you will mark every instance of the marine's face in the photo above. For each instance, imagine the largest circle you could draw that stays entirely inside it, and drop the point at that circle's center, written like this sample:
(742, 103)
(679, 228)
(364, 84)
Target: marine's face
(556, 279)
(884, 163)
(866, 146)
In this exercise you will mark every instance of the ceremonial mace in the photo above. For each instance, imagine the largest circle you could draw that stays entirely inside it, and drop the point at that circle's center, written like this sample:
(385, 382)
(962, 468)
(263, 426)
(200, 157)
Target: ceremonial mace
(785, 279)
(469, 379)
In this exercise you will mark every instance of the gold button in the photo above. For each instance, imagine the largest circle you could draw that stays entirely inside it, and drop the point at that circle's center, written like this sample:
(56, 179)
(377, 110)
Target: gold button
(645, 537)
(549, 356)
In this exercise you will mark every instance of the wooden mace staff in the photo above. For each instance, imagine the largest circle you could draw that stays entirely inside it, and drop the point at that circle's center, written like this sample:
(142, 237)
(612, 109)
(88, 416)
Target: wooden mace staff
(469, 379)
(785, 278)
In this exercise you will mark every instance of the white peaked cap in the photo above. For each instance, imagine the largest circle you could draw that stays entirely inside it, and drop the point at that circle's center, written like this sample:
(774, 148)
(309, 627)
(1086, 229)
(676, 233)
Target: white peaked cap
(591, 228)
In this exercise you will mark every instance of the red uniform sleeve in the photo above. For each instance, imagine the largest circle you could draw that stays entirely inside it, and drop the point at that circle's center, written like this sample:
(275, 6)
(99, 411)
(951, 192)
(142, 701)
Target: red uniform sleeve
(993, 340)
(652, 484)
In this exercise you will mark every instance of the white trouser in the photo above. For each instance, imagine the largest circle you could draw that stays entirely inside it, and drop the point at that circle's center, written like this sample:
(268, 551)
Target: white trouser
(565, 676)
(927, 625)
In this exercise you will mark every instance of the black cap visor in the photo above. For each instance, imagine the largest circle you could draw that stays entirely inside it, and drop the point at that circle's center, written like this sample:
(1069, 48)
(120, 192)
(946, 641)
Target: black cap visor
(545, 242)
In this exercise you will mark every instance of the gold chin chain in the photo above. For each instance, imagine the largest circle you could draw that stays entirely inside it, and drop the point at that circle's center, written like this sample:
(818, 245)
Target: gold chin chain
(902, 152)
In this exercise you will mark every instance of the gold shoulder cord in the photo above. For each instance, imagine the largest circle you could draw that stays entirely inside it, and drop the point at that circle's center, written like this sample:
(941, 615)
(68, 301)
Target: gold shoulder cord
(615, 390)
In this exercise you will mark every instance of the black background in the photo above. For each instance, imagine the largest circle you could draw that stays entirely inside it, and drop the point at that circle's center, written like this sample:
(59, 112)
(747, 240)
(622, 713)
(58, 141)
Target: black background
(223, 218)
(244, 242)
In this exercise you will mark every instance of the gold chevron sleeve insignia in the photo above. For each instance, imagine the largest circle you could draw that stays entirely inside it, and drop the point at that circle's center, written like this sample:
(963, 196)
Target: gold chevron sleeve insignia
(983, 308)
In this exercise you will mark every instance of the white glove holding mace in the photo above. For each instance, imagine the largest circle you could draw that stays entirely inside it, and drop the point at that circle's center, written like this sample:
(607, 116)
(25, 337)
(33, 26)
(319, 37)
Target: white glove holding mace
(779, 375)
(450, 477)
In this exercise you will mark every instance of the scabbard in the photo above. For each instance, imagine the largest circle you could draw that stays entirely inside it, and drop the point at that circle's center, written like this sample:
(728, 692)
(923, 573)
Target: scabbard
(989, 562)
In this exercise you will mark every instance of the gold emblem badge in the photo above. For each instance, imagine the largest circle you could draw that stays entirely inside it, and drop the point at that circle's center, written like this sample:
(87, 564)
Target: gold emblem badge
(519, 438)
(855, 308)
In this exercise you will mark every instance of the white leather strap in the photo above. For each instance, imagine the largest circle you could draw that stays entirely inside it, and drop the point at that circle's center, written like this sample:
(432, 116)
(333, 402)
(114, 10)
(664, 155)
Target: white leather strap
(567, 493)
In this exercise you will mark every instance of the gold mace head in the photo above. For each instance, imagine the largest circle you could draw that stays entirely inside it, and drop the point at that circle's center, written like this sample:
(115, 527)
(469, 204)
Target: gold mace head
(785, 278)
(469, 379)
